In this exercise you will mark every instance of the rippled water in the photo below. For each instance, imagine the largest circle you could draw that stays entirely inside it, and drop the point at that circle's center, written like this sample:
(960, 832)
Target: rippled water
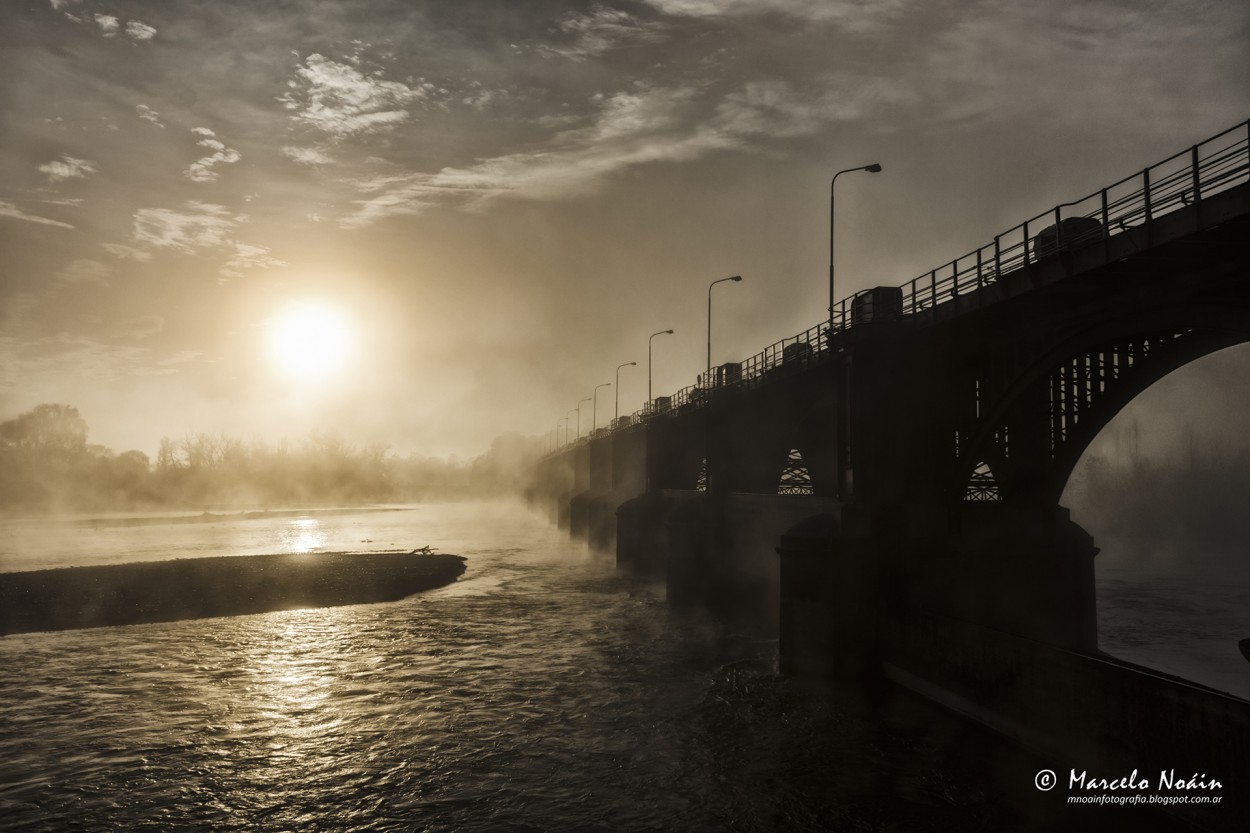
(540, 692)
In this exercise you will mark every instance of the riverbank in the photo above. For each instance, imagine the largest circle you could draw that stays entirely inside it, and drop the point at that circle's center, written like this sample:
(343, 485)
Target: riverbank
(198, 588)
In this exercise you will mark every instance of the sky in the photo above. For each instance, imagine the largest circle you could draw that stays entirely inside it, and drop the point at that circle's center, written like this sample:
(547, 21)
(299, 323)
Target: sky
(492, 205)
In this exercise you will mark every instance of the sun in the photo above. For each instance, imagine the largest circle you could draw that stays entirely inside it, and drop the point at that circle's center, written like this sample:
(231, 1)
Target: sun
(308, 340)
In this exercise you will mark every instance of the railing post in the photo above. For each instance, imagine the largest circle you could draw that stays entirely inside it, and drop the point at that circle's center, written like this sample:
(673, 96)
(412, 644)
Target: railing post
(933, 287)
(998, 260)
(1145, 178)
(980, 277)
(1193, 155)
(1106, 227)
(955, 278)
(1027, 248)
(1058, 228)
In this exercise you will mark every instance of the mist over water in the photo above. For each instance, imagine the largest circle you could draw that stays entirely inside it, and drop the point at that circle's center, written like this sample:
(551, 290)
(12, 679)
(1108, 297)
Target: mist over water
(542, 691)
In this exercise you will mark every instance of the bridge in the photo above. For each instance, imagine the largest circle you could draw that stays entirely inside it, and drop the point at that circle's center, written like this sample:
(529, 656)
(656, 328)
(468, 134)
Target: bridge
(883, 488)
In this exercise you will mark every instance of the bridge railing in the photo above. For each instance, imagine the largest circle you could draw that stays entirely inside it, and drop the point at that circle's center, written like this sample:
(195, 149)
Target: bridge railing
(1207, 168)
(1215, 165)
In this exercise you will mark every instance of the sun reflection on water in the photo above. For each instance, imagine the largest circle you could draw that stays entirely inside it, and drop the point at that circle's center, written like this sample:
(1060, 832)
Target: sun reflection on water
(303, 535)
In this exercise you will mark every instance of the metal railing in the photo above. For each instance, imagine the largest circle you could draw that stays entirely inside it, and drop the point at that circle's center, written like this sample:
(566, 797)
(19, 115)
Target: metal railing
(1186, 178)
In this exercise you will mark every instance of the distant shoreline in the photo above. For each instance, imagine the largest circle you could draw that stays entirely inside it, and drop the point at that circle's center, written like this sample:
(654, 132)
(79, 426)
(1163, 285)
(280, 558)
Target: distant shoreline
(105, 522)
(196, 588)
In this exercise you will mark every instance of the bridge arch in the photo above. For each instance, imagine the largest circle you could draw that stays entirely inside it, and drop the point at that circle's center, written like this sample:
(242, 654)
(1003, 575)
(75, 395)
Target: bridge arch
(1037, 422)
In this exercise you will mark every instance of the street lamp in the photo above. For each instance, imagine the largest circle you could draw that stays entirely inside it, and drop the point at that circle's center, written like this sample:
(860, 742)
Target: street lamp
(649, 340)
(708, 378)
(566, 425)
(616, 414)
(594, 411)
(559, 442)
(579, 418)
(872, 169)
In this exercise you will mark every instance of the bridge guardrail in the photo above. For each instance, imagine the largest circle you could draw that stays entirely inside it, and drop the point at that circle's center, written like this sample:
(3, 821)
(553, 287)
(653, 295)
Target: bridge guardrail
(1207, 168)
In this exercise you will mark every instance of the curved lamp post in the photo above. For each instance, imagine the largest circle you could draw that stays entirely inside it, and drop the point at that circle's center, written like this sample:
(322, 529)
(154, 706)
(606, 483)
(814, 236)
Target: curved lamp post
(707, 380)
(616, 413)
(649, 340)
(594, 411)
(566, 425)
(872, 169)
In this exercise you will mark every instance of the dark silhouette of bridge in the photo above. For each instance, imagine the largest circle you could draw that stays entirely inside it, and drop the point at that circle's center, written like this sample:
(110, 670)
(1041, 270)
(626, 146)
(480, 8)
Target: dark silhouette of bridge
(883, 489)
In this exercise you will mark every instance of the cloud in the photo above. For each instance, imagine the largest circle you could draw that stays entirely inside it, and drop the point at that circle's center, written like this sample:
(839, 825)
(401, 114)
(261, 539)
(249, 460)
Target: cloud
(340, 101)
(8, 209)
(203, 169)
(67, 167)
(633, 128)
(199, 225)
(137, 30)
(148, 114)
(126, 252)
(307, 156)
(601, 30)
(246, 257)
(108, 24)
(85, 271)
(853, 15)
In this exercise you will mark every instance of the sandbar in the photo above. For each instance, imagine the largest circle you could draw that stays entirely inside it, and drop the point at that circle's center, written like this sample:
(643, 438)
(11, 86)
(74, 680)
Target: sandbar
(197, 588)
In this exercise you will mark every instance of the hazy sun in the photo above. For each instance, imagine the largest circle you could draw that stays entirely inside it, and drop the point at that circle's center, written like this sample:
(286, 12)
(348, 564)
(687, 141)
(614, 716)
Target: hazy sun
(308, 340)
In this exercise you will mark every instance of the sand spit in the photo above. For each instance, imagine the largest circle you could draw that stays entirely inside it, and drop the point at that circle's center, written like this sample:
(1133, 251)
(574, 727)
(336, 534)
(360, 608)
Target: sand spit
(196, 588)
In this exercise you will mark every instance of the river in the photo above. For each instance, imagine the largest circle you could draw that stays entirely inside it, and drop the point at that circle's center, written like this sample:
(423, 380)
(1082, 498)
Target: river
(542, 691)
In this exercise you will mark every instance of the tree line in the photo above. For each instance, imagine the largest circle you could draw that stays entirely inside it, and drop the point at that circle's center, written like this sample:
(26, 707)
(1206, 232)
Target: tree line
(47, 465)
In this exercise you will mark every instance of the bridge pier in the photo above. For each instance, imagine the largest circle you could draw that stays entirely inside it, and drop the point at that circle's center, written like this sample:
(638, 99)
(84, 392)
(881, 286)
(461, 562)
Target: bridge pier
(848, 575)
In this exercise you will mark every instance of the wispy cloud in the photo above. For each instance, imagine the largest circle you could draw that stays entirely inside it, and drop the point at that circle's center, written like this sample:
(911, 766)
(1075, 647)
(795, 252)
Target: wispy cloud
(204, 169)
(247, 257)
(108, 24)
(126, 252)
(137, 30)
(339, 100)
(849, 14)
(148, 114)
(632, 128)
(601, 30)
(197, 226)
(8, 209)
(83, 271)
(307, 156)
(67, 167)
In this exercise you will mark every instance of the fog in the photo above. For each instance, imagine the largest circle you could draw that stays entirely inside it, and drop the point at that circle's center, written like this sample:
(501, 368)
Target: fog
(50, 467)
(1163, 486)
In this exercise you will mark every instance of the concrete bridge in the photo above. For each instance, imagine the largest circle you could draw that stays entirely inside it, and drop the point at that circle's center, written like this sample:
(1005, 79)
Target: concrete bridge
(883, 489)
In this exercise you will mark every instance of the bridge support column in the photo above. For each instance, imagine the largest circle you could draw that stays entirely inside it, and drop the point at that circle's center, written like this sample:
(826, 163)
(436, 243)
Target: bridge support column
(721, 552)
(862, 571)
(641, 535)
(830, 597)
